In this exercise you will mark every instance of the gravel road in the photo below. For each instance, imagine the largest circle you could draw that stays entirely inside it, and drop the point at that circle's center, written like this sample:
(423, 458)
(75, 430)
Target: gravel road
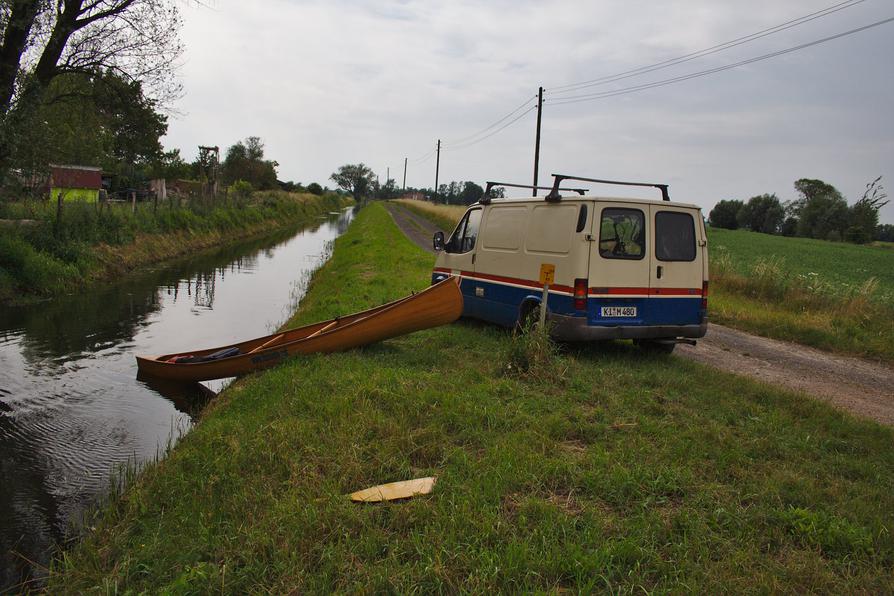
(863, 388)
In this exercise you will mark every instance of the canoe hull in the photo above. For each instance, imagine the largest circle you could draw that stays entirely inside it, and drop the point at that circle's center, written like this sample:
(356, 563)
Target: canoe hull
(437, 305)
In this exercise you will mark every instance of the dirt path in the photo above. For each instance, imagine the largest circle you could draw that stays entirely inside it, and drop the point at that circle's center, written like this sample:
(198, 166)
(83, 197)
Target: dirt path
(862, 388)
(418, 229)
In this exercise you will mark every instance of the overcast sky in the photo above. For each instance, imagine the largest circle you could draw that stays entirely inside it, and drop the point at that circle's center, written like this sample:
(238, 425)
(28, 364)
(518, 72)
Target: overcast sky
(329, 82)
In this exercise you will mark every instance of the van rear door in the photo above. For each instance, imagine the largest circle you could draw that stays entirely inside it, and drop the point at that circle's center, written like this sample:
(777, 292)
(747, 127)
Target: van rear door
(677, 266)
(619, 264)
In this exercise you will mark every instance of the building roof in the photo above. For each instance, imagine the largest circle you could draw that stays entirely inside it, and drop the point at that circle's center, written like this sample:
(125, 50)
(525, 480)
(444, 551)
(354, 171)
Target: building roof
(71, 176)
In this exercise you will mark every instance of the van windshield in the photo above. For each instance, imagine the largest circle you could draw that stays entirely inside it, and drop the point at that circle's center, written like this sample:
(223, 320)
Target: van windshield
(622, 234)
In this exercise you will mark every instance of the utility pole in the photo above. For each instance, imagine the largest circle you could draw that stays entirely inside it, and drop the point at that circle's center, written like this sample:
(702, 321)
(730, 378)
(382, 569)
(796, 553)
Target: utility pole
(387, 175)
(405, 174)
(437, 168)
(537, 142)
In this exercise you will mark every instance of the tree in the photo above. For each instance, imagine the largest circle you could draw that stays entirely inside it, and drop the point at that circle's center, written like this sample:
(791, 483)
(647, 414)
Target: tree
(314, 188)
(99, 119)
(863, 215)
(245, 161)
(724, 213)
(763, 213)
(356, 179)
(821, 210)
(471, 193)
(885, 233)
(40, 41)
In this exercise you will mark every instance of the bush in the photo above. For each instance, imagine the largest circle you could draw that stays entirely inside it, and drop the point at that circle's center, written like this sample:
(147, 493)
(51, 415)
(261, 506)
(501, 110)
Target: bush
(534, 355)
(242, 192)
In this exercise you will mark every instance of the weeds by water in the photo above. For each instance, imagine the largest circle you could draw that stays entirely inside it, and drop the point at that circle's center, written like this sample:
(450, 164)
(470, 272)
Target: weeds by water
(50, 254)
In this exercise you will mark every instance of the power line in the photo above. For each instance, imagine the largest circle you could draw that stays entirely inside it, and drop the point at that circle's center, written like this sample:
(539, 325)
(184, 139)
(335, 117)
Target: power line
(497, 123)
(475, 142)
(570, 88)
(424, 157)
(662, 83)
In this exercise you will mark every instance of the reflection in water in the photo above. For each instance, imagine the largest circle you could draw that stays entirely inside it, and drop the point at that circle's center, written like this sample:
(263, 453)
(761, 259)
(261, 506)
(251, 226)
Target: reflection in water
(71, 410)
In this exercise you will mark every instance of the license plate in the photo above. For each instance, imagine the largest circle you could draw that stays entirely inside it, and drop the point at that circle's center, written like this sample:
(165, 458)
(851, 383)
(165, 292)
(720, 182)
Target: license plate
(618, 311)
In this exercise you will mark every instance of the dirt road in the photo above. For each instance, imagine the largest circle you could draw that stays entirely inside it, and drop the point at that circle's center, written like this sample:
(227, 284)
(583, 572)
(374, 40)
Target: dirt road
(862, 388)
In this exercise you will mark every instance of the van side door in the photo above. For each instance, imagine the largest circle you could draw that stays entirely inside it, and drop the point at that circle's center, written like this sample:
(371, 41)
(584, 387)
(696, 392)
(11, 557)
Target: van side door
(619, 264)
(677, 270)
(458, 258)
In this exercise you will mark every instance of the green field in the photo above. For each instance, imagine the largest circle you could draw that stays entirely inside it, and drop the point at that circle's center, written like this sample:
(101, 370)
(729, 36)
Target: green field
(841, 265)
(599, 469)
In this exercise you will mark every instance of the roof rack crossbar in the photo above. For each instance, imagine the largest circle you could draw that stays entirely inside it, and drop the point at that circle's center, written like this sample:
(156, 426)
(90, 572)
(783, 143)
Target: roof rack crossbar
(486, 198)
(554, 195)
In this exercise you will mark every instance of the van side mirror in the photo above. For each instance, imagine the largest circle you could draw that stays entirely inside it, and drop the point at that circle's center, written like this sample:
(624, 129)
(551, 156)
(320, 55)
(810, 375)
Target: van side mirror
(438, 241)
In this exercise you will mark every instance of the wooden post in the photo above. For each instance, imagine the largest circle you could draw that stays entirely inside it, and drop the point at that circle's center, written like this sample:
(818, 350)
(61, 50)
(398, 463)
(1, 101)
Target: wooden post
(133, 202)
(547, 275)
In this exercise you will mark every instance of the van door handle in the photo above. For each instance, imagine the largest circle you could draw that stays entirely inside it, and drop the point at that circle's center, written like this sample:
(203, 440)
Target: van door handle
(473, 258)
(659, 272)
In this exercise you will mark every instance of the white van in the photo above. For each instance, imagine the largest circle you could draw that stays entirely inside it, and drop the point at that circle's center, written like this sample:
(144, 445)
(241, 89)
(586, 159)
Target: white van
(623, 268)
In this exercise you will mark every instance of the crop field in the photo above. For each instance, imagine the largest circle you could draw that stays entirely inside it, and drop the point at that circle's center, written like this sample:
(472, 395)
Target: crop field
(840, 266)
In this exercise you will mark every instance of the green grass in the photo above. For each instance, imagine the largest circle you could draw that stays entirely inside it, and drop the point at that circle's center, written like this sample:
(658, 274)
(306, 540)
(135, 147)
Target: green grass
(619, 472)
(839, 265)
(86, 243)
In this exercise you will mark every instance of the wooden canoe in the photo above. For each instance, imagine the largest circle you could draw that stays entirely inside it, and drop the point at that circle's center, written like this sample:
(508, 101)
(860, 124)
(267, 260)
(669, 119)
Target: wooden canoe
(437, 305)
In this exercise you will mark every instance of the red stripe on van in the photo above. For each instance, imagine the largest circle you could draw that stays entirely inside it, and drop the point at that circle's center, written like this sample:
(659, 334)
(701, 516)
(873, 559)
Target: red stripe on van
(592, 291)
(646, 291)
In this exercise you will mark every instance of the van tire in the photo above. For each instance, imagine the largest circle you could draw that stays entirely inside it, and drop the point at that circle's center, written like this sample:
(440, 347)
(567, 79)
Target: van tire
(529, 317)
(656, 347)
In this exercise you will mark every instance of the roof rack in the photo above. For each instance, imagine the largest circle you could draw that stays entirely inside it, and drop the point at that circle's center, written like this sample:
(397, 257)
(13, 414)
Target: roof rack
(555, 197)
(486, 198)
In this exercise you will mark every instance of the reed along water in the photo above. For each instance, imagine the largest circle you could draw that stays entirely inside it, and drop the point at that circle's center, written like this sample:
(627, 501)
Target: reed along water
(72, 411)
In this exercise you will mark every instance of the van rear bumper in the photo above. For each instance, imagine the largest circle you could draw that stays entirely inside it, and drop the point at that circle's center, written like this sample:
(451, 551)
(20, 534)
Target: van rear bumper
(576, 329)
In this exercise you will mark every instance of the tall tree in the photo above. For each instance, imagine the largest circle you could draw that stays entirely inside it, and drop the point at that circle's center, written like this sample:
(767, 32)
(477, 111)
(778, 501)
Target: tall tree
(245, 161)
(763, 213)
(863, 215)
(724, 214)
(357, 179)
(41, 40)
(820, 209)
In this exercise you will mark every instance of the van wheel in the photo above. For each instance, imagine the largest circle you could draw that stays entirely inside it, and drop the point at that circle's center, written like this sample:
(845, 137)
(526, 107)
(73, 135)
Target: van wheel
(529, 319)
(656, 347)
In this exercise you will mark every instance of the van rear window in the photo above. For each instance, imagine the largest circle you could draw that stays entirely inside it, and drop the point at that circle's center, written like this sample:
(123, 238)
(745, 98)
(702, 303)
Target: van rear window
(674, 236)
(622, 234)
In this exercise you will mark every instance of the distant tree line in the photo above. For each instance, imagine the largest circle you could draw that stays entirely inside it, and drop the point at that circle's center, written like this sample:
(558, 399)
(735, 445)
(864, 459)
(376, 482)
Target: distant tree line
(820, 211)
(361, 182)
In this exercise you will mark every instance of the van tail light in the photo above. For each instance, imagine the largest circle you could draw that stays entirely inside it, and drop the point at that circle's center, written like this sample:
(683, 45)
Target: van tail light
(705, 296)
(580, 294)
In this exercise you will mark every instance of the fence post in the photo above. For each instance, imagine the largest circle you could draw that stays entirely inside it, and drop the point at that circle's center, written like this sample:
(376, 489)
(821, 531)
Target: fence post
(133, 202)
(57, 225)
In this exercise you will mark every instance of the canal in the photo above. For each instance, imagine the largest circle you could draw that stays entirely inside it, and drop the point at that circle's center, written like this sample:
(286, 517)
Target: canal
(72, 411)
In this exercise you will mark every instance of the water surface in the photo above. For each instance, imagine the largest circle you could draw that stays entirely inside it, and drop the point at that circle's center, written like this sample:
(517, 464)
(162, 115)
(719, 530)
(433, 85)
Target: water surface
(72, 411)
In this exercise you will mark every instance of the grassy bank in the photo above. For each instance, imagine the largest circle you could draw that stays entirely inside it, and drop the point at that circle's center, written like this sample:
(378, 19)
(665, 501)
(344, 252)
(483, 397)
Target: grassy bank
(50, 255)
(829, 295)
(599, 469)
